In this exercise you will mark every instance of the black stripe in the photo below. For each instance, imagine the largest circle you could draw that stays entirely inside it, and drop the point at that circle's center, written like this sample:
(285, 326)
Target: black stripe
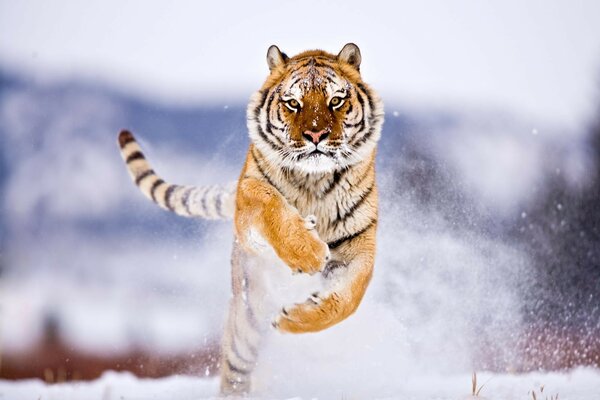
(337, 243)
(280, 120)
(251, 348)
(362, 122)
(268, 110)
(136, 155)
(330, 78)
(360, 99)
(364, 138)
(185, 200)
(314, 63)
(294, 81)
(269, 126)
(361, 102)
(219, 203)
(262, 134)
(168, 195)
(331, 73)
(235, 383)
(143, 176)
(265, 93)
(290, 176)
(236, 351)
(125, 139)
(252, 318)
(316, 57)
(277, 122)
(155, 185)
(337, 176)
(262, 172)
(367, 93)
(203, 201)
(349, 110)
(333, 224)
(236, 369)
(355, 206)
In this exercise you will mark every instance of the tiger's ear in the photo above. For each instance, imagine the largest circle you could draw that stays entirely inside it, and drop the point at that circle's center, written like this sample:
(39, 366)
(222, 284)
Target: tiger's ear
(351, 55)
(275, 57)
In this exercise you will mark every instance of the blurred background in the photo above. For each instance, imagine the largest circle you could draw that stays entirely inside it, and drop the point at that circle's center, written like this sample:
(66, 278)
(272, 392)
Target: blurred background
(489, 244)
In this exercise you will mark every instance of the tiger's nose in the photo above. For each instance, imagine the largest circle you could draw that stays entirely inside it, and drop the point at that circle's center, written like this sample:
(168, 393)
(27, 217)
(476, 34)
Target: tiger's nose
(316, 137)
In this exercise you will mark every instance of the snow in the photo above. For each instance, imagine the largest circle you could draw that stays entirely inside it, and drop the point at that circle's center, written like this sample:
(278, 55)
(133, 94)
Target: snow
(112, 385)
(579, 384)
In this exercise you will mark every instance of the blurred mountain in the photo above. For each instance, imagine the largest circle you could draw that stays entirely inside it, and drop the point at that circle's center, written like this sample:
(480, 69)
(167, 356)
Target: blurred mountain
(58, 135)
(562, 233)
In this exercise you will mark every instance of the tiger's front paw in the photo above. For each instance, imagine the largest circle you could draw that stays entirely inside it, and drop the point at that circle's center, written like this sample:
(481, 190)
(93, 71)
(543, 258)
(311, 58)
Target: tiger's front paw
(300, 246)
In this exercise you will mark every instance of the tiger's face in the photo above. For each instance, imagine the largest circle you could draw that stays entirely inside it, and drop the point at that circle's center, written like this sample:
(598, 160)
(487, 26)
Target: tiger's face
(314, 114)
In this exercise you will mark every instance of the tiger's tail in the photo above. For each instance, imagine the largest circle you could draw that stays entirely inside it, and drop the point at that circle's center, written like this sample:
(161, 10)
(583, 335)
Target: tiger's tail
(209, 202)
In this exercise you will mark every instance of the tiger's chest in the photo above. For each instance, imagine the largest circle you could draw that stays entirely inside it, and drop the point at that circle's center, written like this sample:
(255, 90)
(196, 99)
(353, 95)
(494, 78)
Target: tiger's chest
(328, 206)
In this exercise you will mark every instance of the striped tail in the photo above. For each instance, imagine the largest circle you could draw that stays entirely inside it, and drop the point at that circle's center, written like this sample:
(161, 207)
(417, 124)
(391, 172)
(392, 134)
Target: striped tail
(210, 202)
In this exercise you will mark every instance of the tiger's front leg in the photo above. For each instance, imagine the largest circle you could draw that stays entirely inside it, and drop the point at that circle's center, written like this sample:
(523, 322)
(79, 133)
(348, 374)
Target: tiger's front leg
(262, 210)
(347, 279)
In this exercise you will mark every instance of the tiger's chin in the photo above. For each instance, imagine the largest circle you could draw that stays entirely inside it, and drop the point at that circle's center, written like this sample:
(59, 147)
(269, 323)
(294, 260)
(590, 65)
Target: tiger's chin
(316, 164)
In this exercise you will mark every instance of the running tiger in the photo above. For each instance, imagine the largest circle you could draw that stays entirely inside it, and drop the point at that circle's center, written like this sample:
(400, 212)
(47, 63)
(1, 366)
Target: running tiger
(306, 197)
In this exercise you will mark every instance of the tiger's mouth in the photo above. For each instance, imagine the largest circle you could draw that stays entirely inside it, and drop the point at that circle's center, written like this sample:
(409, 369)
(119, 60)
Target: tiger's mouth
(315, 159)
(322, 157)
(316, 152)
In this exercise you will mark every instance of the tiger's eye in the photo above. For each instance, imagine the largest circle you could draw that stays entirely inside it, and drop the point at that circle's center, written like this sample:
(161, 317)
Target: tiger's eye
(336, 102)
(294, 103)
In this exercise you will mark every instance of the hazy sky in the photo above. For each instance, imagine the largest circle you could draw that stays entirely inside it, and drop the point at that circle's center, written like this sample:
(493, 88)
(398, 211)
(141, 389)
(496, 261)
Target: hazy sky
(538, 58)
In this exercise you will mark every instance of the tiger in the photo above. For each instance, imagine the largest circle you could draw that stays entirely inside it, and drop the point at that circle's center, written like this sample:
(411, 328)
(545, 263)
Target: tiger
(306, 198)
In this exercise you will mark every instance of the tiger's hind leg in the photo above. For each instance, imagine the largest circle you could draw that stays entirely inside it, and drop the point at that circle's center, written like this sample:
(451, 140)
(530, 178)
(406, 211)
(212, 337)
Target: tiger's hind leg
(246, 325)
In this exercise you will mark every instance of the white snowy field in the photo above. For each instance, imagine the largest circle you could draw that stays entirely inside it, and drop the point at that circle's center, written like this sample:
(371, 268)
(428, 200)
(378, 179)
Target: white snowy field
(579, 384)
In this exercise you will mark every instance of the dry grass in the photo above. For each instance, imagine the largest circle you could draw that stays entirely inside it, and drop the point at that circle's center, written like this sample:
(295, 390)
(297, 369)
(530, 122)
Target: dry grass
(475, 391)
(534, 395)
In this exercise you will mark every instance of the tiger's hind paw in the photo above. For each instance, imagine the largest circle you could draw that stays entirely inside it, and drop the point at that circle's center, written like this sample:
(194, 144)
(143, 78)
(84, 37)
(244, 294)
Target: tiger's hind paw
(316, 313)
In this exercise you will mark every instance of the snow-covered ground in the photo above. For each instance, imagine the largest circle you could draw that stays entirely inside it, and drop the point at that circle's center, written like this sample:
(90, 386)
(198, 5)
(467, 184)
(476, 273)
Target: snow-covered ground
(579, 384)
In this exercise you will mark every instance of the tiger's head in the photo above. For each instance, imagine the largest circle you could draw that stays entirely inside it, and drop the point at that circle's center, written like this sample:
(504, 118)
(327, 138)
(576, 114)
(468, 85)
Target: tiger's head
(314, 113)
